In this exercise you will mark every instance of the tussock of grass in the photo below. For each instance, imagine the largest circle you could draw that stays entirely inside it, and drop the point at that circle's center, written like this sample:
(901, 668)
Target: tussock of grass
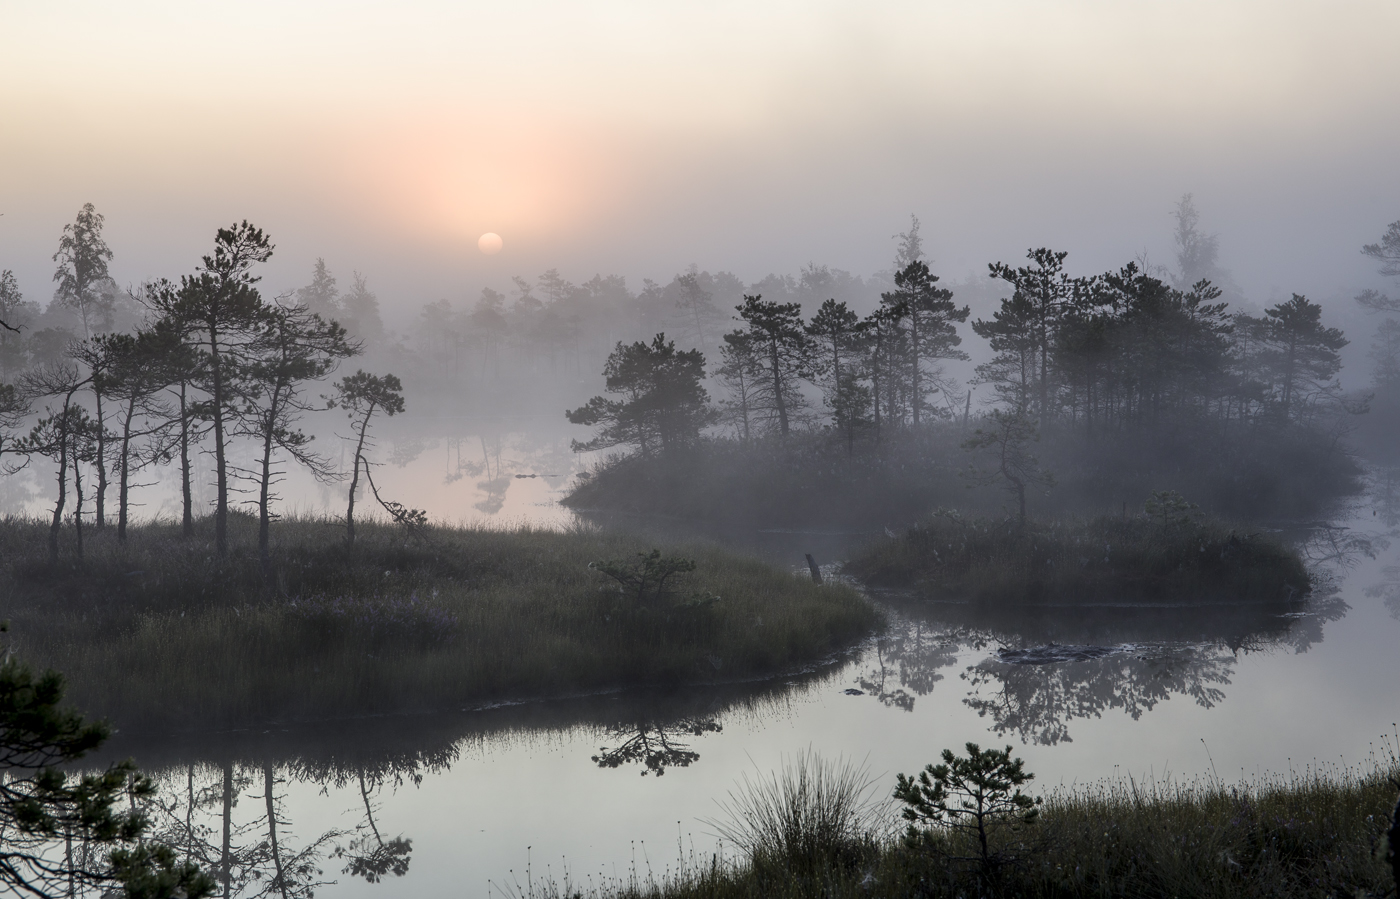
(1106, 559)
(812, 815)
(161, 633)
(1309, 834)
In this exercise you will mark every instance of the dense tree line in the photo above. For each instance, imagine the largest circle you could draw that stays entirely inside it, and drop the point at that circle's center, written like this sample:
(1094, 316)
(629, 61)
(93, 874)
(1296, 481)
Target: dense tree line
(1121, 350)
(1101, 366)
(142, 378)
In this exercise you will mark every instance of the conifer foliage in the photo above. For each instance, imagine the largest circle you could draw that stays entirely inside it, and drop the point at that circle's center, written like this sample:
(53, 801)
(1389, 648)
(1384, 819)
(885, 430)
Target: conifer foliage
(64, 831)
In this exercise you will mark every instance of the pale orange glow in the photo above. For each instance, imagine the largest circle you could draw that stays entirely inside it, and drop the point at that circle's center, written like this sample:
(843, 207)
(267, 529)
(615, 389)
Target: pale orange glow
(490, 243)
(650, 136)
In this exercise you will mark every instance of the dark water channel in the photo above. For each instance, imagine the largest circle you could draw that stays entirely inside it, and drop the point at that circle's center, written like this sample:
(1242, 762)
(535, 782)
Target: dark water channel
(602, 788)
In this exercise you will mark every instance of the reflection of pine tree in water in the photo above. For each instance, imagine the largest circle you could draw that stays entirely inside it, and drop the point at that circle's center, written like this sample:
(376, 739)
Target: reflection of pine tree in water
(1388, 589)
(1059, 664)
(196, 814)
(368, 854)
(1038, 701)
(655, 744)
(296, 872)
(917, 651)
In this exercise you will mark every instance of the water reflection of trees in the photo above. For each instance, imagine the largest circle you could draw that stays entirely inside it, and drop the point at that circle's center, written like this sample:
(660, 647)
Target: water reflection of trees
(655, 744)
(231, 803)
(232, 816)
(367, 854)
(251, 851)
(1050, 666)
(1037, 702)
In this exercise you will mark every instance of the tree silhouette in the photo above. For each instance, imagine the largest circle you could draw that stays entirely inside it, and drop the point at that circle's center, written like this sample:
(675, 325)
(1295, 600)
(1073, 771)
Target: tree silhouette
(931, 315)
(15, 313)
(836, 330)
(139, 367)
(1046, 293)
(361, 395)
(220, 307)
(663, 404)
(291, 347)
(780, 339)
(56, 824)
(738, 370)
(54, 435)
(1004, 444)
(1305, 353)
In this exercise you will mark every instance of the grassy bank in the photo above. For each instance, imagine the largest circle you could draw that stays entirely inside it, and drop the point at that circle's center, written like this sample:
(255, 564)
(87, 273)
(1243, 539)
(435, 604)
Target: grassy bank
(160, 633)
(1320, 833)
(1107, 559)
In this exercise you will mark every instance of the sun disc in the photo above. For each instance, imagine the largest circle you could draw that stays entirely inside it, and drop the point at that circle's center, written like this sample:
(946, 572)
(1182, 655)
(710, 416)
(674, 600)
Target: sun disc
(490, 243)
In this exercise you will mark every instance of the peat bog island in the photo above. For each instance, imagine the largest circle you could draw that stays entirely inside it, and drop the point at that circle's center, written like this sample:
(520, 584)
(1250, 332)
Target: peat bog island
(535, 452)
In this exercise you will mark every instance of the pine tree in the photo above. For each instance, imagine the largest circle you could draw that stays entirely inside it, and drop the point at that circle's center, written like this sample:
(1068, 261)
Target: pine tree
(45, 811)
(663, 406)
(292, 346)
(931, 316)
(361, 395)
(221, 310)
(779, 337)
(1305, 353)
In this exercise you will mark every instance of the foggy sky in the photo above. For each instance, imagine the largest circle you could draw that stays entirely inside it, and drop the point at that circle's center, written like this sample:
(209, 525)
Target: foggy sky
(639, 138)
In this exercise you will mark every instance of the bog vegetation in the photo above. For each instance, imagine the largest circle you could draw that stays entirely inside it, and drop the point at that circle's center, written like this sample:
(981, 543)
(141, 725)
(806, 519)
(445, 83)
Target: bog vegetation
(1166, 554)
(973, 828)
(404, 622)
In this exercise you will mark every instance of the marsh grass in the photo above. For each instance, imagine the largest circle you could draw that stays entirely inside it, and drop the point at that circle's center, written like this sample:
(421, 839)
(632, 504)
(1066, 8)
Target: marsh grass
(1107, 559)
(1314, 833)
(161, 633)
(811, 815)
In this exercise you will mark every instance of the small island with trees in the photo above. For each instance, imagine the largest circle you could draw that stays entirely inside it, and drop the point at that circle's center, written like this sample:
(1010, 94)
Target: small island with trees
(1130, 391)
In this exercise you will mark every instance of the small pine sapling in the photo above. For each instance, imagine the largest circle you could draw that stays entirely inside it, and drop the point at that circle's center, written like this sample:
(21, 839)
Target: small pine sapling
(644, 579)
(977, 797)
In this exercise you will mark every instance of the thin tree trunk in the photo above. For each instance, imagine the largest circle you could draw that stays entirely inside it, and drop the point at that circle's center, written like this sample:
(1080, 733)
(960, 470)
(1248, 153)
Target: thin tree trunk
(187, 519)
(778, 391)
(355, 478)
(101, 516)
(221, 471)
(264, 516)
(272, 829)
(369, 810)
(78, 501)
(124, 469)
(57, 523)
(225, 861)
(915, 380)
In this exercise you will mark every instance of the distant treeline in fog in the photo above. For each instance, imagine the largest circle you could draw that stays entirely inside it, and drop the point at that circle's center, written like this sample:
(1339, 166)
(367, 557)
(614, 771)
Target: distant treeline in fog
(1121, 383)
(1098, 382)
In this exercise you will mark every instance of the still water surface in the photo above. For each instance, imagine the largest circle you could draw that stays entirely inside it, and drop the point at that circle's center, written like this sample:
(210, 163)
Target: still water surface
(598, 788)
